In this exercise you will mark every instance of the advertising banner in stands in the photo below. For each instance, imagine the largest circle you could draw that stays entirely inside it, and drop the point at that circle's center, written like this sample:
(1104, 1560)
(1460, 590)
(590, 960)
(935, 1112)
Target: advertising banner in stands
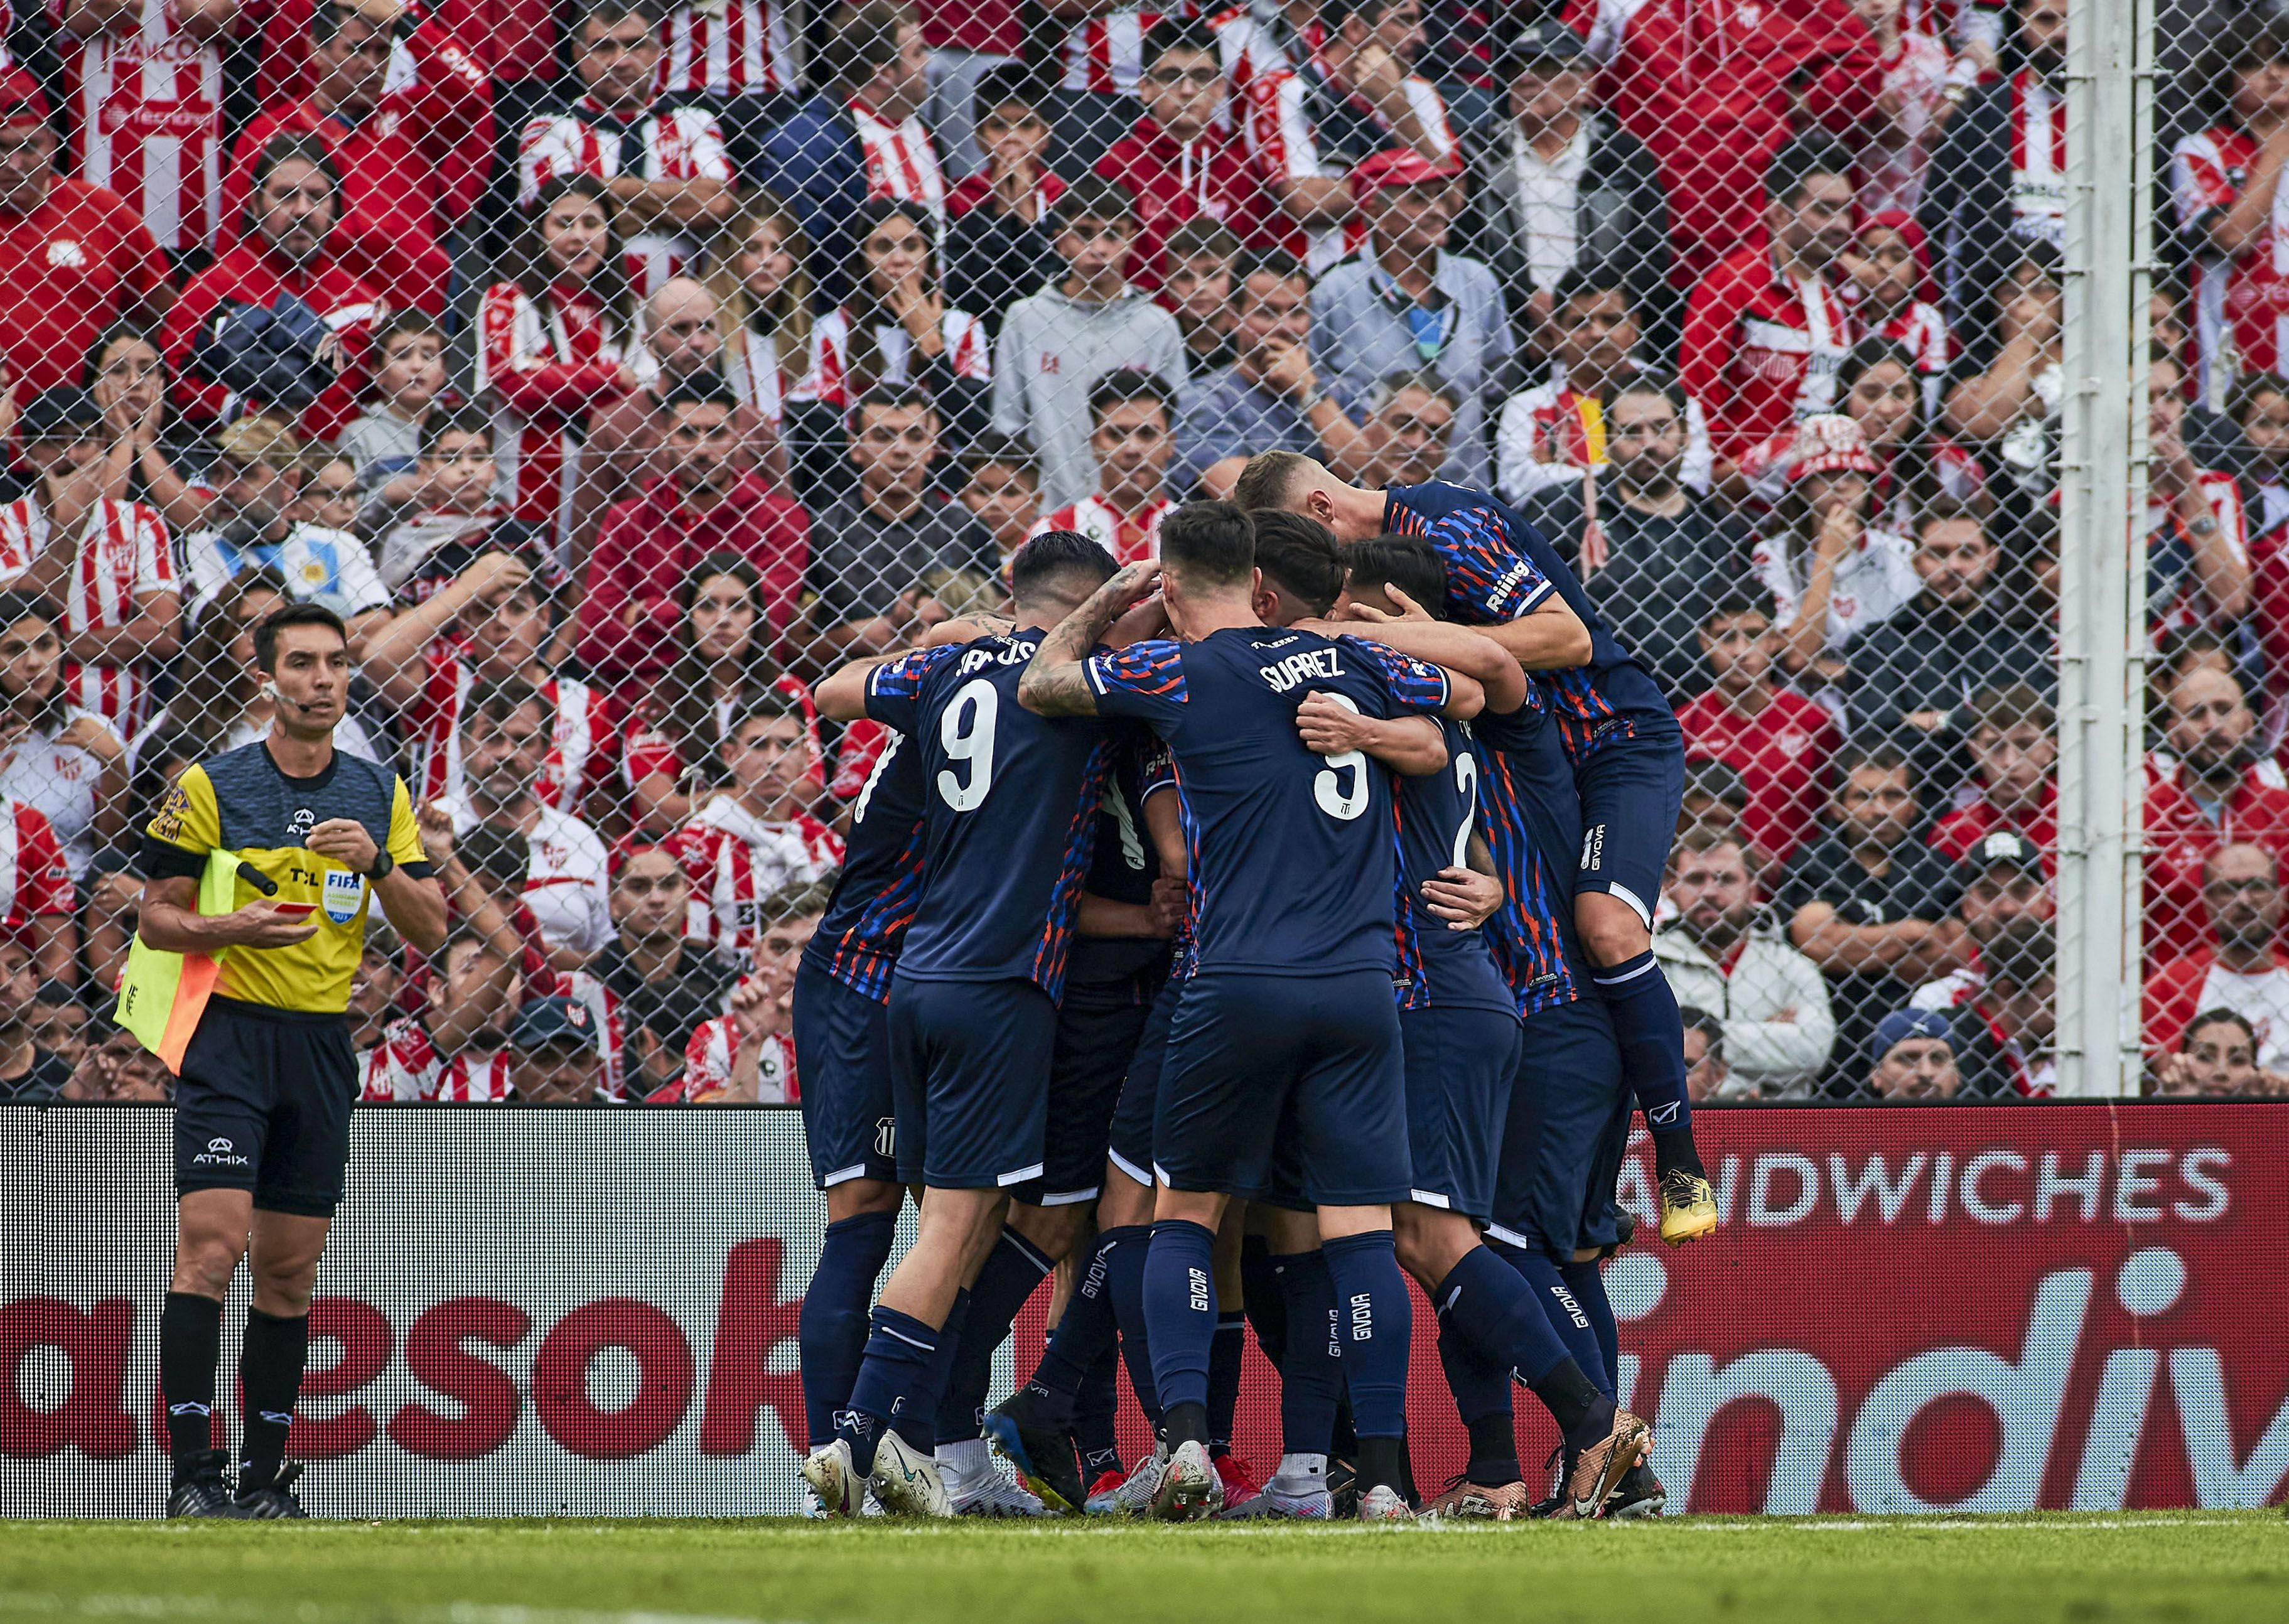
(533, 1312)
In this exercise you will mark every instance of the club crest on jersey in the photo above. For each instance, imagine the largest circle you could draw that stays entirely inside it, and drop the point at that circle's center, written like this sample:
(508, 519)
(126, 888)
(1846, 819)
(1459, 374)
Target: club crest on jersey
(344, 894)
(1298, 669)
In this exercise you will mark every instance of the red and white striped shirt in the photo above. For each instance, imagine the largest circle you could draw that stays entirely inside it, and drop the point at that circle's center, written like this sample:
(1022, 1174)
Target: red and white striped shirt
(1922, 331)
(2038, 161)
(968, 350)
(541, 371)
(711, 1052)
(678, 144)
(900, 161)
(1284, 148)
(2241, 305)
(34, 881)
(580, 749)
(739, 49)
(1106, 54)
(1762, 349)
(124, 554)
(737, 863)
(147, 102)
(647, 748)
(1129, 537)
(567, 879)
(405, 1065)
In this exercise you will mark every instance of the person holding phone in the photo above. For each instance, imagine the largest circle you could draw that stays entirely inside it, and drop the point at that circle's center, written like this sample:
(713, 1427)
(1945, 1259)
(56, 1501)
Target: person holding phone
(263, 1099)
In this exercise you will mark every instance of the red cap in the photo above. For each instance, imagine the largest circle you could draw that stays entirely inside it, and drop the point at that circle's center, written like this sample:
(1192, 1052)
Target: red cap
(20, 98)
(1397, 166)
(1829, 444)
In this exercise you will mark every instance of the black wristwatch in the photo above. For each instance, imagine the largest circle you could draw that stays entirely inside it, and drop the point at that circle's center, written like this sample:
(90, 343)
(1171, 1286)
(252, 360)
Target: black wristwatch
(382, 863)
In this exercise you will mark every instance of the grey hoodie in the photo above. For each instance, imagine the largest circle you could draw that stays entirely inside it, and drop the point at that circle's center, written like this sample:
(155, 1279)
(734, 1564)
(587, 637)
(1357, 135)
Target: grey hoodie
(1051, 349)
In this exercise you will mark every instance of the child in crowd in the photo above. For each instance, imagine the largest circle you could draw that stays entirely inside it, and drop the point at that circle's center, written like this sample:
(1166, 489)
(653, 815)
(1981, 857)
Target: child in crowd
(409, 376)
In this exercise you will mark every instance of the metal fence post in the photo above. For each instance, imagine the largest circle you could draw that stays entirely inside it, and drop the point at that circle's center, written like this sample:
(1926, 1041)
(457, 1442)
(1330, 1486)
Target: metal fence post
(2102, 593)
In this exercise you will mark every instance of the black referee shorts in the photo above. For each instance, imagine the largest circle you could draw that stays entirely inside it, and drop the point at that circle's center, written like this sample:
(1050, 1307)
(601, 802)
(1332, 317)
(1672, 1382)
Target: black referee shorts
(264, 1104)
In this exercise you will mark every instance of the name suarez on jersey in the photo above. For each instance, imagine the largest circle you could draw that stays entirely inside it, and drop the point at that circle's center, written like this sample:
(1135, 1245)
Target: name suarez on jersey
(1298, 669)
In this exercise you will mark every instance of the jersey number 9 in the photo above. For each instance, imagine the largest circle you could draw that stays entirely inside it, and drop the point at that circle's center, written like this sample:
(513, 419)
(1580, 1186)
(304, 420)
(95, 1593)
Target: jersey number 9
(966, 732)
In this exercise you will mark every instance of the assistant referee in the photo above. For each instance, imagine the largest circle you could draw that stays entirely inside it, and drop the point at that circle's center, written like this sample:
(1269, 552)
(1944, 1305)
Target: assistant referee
(262, 1108)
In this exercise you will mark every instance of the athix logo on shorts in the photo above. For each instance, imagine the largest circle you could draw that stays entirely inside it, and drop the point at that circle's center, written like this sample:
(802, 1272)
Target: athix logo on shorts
(220, 1153)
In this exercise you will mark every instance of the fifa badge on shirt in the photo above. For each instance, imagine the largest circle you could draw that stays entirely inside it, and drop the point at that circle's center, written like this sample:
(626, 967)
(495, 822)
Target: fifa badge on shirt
(344, 894)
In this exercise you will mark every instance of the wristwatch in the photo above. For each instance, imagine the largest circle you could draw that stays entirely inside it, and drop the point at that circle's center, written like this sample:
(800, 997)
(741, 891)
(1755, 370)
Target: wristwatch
(382, 864)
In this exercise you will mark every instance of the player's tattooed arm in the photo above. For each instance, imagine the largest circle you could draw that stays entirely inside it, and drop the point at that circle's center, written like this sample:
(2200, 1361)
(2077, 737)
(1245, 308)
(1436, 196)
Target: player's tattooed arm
(1409, 745)
(842, 695)
(1053, 683)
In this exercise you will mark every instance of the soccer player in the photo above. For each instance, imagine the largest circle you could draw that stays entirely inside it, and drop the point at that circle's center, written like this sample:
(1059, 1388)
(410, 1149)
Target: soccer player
(262, 1105)
(1009, 817)
(1288, 1010)
(1621, 739)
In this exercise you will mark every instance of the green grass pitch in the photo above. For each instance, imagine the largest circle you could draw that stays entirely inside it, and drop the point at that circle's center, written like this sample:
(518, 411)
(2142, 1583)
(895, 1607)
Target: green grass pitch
(2174, 1567)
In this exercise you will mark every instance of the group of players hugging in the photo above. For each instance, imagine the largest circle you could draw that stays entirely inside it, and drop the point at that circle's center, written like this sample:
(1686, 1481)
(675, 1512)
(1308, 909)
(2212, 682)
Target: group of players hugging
(1369, 994)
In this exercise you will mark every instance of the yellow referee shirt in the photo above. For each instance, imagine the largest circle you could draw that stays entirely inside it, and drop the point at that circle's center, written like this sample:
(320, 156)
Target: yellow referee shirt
(241, 802)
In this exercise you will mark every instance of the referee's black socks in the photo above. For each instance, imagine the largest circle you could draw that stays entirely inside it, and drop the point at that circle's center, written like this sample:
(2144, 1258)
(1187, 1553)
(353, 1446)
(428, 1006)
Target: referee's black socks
(190, 1344)
(270, 1374)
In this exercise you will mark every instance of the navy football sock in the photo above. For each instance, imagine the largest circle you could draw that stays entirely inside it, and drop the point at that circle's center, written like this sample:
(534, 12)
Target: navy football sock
(1652, 1039)
(1489, 1302)
(831, 1326)
(1312, 1375)
(1180, 1309)
(1084, 1337)
(1482, 1391)
(1011, 1273)
(1095, 1415)
(1125, 1251)
(1587, 1281)
(1225, 1354)
(1375, 1321)
(1562, 1309)
(1261, 1293)
(919, 1426)
(893, 1380)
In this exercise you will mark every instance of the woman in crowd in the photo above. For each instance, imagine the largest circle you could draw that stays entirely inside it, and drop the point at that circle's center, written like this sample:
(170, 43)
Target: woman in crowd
(2012, 409)
(669, 749)
(128, 378)
(553, 343)
(1879, 388)
(221, 704)
(61, 760)
(764, 297)
(1833, 571)
(115, 889)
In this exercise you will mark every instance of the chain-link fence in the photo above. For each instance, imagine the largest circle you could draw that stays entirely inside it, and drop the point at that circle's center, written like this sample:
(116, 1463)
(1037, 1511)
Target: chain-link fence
(618, 370)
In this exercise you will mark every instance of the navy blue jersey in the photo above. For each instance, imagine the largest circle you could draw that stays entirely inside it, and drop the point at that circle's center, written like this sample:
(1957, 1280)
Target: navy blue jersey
(1123, 864)
(1533, 826)
(1447, 968)
(1290, 854)
(1499, 568)
(1009, 804)
(874, 902)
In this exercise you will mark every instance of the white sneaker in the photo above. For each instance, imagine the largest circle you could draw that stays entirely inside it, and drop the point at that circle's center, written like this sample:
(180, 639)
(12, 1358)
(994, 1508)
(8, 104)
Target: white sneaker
(1307, 1501)
(1380, 1504)
(975, 1487)
(1135, 1492)
(836, 1488)
(906, 1481)
(1191, 1488)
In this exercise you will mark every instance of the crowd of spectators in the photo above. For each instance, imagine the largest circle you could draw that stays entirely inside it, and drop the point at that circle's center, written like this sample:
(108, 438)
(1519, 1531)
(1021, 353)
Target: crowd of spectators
(617, 367)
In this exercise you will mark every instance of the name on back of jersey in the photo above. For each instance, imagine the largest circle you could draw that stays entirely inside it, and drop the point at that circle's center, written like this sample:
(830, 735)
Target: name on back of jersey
(1012, 651)
(1298, 669)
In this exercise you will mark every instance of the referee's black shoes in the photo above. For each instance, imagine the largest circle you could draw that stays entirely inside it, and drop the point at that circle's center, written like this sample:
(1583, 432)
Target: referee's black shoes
(199, 1488)
(271, 1501)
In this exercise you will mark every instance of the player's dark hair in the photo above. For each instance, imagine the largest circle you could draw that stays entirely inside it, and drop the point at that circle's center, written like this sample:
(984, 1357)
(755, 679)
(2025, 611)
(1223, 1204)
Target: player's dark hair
(1694, 1019)
(1733, 604)
(1267, 478)
(498, 701)
(1210, 544)
(1063, 564)
(1411, 566)
(2218, 1016)
(1299, 555)
(267, 630)
(1177, 33)
(463, 419)
(1793, 167)
(1123, 385)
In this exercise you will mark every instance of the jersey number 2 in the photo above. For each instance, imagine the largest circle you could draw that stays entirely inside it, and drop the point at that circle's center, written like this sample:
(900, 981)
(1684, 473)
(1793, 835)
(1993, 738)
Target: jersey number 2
(966, 732)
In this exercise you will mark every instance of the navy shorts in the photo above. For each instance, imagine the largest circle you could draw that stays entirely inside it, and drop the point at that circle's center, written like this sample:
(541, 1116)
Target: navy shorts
(1460, 1063)
(1099, 1024)
(263, 1104)
(1129, 1146)
(1563, 1142)
(842, 1039)
(969, 1078)
(1631, 790)
(1322, 1051)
